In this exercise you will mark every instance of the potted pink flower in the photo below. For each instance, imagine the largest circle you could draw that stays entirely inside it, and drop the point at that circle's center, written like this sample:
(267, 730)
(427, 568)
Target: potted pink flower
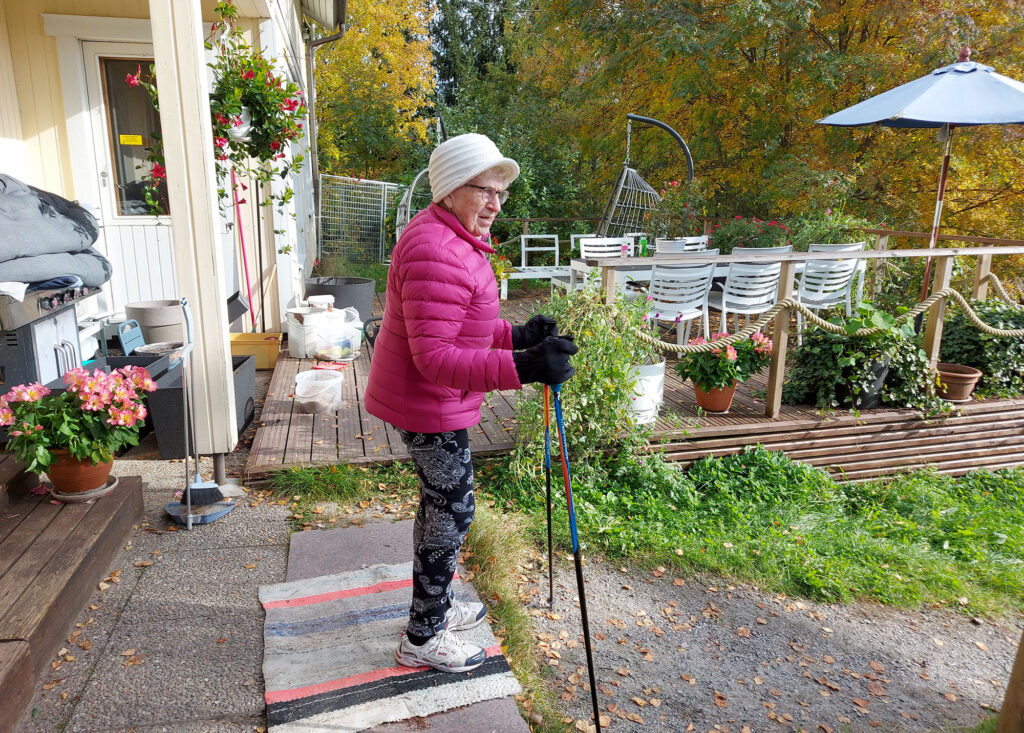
(73, 435)
(715, 373)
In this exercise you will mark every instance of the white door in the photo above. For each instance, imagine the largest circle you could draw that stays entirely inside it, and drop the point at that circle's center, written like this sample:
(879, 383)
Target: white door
(123, 124)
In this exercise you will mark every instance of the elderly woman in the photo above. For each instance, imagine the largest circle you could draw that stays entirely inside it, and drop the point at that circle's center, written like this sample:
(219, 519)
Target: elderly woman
(440, 348)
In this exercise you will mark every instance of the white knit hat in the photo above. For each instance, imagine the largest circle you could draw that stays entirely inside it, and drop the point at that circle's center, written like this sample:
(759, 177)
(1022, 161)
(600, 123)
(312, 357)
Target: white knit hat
(463, 158)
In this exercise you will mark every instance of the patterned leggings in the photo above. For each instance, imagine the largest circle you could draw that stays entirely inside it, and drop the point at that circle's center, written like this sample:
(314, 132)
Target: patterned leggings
(446, 510)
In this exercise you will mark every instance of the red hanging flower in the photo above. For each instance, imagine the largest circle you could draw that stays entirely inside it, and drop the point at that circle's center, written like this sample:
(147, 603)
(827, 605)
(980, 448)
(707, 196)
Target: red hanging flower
(158, 171)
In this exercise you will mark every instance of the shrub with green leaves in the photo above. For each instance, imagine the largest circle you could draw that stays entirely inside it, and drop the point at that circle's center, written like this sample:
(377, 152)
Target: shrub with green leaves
(681, 212)
(830, 370)
(1001, 360)
(753, 232)
(827, 227)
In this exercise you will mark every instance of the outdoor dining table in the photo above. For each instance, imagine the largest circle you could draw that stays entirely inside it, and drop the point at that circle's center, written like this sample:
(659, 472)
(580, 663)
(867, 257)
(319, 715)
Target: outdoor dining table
(635, 266)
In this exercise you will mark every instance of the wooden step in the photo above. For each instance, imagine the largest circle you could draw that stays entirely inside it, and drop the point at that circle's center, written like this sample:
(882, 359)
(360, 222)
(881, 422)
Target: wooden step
(51, 558)
(14, 482)
(807, 447)
(802, 430)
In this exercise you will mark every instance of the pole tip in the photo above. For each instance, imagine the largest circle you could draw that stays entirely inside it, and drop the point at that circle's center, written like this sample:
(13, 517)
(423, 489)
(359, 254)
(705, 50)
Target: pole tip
(965, 55)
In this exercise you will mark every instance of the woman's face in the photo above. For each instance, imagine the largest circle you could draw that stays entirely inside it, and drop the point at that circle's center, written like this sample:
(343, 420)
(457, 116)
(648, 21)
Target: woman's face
(473, 207)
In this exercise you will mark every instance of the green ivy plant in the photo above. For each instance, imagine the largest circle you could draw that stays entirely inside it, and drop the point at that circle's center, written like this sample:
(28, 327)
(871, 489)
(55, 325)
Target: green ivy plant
(1001, 360)
(831, 370)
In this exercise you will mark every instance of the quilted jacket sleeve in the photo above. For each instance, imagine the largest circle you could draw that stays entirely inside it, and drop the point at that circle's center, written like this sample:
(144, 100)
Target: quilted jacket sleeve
(437, 290)
(502, 337)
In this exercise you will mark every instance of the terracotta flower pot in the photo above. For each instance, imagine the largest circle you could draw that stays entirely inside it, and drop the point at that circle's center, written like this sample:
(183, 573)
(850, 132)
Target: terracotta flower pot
(956, 381)
(71, 476)
(715, 400)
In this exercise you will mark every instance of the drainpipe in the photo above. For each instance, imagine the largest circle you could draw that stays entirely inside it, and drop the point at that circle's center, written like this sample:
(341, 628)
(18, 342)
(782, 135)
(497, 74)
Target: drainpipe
(311, 46)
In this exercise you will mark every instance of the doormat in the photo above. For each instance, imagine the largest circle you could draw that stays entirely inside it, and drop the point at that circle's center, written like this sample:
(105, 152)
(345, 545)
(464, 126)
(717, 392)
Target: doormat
(329, 655)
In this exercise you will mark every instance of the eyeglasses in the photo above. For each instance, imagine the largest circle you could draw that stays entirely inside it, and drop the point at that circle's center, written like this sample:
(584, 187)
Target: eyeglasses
(489, 193)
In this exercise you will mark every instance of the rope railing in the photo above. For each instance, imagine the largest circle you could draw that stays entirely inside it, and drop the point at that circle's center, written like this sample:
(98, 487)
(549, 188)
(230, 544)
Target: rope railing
(812, 317)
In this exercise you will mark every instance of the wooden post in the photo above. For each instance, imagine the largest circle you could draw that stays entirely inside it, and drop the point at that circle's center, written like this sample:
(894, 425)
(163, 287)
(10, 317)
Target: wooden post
(526, 226)
(608, 284)
(780, 337)
(881, 244)
(981, 272)
(195, 226)
(707, 227)
(933, 331)
(1011, 717)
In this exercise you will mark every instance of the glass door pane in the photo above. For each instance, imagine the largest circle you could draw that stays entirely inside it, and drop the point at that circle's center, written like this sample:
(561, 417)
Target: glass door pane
(132, 123)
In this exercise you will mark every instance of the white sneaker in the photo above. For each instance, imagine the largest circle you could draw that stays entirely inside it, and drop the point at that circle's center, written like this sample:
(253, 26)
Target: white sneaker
(444, 651)
(462, 615)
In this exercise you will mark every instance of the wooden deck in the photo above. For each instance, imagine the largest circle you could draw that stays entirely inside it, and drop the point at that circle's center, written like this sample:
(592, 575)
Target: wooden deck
(980, 434)
(52, 555)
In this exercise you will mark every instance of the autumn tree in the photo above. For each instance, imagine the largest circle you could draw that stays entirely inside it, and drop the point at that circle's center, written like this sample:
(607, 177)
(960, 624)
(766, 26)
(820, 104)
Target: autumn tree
(373, 89)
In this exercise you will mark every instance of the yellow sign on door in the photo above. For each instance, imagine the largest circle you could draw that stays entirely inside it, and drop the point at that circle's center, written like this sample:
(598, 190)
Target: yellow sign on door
(131, 139)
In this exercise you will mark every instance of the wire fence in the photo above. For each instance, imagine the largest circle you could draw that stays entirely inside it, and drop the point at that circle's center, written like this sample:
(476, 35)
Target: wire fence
(354, 218)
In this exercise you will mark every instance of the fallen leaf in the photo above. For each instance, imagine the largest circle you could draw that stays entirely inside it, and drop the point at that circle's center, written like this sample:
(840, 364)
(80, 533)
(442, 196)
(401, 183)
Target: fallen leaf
(143, 563)
(950, 696)
(622, 671)
(860, 702)
(743, 632)
(720, 700)
(827, 660)
(877, 666)
(639, 701)
(981, 646)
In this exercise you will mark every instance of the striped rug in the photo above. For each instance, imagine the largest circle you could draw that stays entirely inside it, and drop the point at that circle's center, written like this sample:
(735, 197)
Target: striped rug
(329, 655)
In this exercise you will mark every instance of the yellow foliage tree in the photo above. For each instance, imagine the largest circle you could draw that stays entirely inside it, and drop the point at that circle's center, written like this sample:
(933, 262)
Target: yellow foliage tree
(372, 87)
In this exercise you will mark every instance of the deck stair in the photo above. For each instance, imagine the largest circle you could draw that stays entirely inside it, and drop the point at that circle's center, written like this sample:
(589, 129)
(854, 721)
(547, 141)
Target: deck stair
(52, 555)
(984, 434)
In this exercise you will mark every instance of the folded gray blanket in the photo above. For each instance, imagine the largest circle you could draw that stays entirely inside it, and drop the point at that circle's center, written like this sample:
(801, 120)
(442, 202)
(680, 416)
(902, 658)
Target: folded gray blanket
(35, 222)
(91, 267)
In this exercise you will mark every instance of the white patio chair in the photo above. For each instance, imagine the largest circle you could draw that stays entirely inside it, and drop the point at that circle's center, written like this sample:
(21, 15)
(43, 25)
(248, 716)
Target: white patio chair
(675, 245)
(824, 284)
(679, 294)
(536, 243)
(749, 290)
(603, 247)
(859, 272)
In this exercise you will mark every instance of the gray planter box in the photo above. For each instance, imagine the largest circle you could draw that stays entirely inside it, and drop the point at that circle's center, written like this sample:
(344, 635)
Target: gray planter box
(168, 416)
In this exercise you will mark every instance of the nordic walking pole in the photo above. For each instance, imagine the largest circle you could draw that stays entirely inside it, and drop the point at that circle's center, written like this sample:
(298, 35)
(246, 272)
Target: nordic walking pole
(547, 480)
(556, 388)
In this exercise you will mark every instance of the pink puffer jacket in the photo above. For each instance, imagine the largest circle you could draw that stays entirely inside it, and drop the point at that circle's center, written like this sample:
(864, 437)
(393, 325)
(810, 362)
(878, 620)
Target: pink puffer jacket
(441, 346)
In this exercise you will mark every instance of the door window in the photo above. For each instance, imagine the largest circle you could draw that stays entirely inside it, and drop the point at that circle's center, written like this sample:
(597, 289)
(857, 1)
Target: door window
(132, 124)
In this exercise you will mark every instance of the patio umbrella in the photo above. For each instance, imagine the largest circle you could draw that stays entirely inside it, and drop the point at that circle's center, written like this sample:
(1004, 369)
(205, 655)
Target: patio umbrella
(959, 95)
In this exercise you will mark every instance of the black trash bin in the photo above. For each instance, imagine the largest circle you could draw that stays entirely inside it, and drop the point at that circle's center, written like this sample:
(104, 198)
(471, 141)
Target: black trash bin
(354, 292)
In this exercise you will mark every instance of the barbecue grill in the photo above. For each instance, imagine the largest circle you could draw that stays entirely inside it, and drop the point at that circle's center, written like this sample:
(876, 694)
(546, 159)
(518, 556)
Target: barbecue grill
(39, 335)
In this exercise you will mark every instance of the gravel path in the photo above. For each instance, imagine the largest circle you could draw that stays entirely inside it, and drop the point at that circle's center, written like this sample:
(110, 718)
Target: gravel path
(701, 654)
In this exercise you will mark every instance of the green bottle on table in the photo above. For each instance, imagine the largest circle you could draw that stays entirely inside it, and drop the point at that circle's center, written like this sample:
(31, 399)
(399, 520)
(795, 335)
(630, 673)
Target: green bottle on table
(643, 246)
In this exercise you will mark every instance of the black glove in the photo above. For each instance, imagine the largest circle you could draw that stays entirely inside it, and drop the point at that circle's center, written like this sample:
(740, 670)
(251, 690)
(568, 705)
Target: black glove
(533, 332)
(547, 362)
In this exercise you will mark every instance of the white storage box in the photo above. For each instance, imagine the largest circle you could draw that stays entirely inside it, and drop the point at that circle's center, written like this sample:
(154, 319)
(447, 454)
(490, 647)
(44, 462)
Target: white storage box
(317, 391)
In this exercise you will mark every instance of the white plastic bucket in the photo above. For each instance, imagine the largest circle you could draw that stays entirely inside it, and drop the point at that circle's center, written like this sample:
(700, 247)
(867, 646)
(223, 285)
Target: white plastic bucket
(648, 392)
(318, 391)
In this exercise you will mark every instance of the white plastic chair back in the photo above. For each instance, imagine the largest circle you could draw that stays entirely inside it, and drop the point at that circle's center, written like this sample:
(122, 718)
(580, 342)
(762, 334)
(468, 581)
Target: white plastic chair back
(679, 293)
(827, 283)
(574, 240)
(537, 243)
(783, 249)
(676, 245)
(750, 289)
(605, 246)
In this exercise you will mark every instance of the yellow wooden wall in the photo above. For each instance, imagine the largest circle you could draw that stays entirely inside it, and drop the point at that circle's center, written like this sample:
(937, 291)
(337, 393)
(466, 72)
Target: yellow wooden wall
(33, 110)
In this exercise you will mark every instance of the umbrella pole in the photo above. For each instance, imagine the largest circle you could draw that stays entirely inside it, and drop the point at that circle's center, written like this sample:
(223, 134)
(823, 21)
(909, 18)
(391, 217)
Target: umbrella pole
(933, 240)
